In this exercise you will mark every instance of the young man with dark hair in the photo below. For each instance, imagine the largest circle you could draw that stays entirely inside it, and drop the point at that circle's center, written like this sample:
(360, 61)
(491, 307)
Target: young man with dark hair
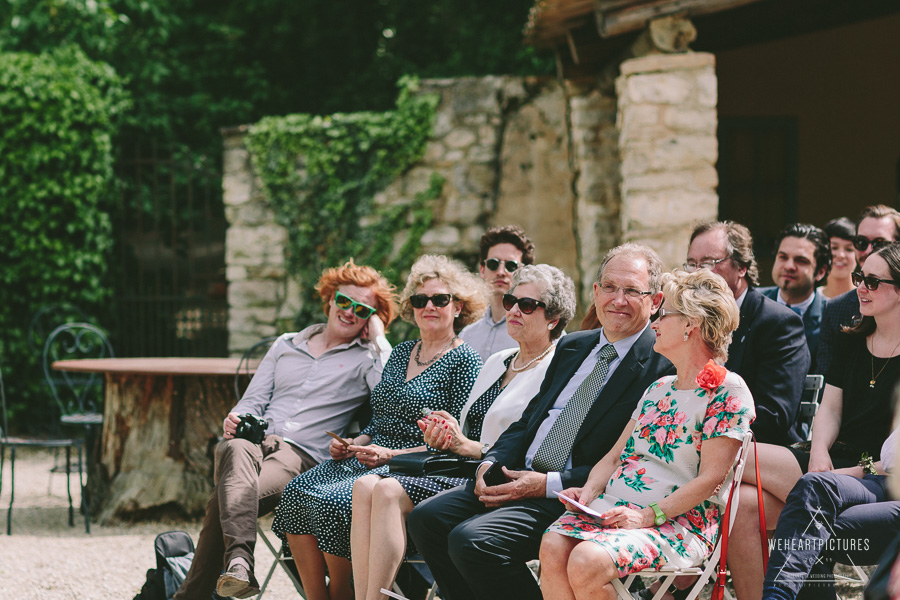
(502, 251)
(802, 261)
(878, 225)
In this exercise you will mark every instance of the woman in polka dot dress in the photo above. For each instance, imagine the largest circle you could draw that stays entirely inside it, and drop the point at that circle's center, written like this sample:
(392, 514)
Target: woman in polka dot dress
(540, 302)
(435, 372)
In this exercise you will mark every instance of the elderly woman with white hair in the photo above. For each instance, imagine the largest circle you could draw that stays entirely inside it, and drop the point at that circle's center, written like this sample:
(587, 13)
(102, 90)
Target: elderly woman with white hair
(659, 491)
(539, 304)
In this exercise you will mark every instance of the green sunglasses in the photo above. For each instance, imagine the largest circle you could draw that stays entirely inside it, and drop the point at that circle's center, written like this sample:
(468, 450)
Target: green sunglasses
(363, 311)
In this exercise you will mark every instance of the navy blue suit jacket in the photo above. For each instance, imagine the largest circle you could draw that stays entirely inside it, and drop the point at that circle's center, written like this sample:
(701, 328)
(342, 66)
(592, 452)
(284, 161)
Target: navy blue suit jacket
(768, 350)
(840, 310)
(606, 419)
(812, 321)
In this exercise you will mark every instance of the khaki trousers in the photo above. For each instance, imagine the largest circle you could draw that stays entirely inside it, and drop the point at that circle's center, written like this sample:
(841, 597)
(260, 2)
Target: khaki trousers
(249, 480)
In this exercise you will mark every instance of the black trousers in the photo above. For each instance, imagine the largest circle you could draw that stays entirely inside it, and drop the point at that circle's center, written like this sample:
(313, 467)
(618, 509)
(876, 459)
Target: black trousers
(827, 518)
(477, 552)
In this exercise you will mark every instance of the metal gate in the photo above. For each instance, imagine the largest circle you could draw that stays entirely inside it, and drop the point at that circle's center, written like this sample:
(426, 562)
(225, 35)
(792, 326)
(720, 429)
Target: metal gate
(170, 257)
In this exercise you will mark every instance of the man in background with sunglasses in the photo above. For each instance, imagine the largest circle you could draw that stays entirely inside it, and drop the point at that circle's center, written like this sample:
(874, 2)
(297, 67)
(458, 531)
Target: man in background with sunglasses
(878, 225)
(308, 383)
(501, 252)
(768, 349)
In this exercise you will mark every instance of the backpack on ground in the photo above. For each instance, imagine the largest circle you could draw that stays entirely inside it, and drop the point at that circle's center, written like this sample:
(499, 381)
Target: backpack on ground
(174, 553)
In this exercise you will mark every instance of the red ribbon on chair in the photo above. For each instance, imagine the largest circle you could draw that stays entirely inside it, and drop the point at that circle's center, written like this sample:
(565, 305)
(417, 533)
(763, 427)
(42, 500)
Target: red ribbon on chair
(718, 592)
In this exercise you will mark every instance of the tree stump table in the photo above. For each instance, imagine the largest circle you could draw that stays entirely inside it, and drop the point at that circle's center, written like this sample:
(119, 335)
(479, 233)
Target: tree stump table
(160, 417)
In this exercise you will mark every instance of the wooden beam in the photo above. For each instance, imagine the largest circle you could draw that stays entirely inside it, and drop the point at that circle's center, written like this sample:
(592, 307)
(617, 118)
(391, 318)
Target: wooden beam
(572, 47)
(615, 17)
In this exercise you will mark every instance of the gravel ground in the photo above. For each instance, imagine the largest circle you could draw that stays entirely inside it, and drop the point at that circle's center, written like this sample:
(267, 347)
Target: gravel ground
(45, 559)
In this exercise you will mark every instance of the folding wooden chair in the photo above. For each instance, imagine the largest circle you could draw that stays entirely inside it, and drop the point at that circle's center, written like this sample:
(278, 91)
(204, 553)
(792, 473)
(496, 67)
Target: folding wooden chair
(704, 572)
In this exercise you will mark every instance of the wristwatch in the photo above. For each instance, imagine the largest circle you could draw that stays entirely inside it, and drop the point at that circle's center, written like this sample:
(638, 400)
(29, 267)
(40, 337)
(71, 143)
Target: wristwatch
(484, 449)
(660, 515)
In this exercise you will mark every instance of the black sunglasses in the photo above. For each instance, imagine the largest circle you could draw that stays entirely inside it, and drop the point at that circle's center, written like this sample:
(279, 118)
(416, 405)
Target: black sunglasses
(526, 305)
(438, 300)
(343, 302)
(861, 243)
(494, 263)
(871, 281)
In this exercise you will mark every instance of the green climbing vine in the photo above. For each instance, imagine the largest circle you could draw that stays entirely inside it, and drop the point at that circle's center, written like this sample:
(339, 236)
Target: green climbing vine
(321, 175)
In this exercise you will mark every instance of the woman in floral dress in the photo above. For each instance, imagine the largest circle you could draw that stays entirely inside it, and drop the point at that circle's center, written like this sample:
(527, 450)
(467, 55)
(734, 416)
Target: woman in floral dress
(659, 492)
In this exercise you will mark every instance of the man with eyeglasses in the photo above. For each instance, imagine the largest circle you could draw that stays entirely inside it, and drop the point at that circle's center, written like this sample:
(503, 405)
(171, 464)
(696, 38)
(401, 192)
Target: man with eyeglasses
(768, 349)
(878, 225)
(502, 250)
(802, 260)
(308, 383)
(478, 538)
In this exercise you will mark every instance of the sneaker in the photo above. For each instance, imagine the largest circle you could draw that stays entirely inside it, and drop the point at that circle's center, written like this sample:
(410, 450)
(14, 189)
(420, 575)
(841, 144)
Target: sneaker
(237, 582)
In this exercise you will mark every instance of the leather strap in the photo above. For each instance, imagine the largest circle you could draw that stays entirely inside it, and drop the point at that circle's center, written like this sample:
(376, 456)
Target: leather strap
(763, 538)
(718, 592)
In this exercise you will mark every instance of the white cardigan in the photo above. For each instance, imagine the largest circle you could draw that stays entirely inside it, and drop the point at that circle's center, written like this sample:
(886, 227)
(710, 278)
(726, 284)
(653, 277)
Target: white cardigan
(511, 402)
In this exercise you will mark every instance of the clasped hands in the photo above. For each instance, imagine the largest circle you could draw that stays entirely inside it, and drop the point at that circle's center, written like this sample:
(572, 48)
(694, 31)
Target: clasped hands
(370, 455)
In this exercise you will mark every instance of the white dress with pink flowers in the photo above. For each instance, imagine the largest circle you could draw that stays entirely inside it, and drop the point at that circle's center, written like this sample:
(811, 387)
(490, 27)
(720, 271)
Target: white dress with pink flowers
(663, 454)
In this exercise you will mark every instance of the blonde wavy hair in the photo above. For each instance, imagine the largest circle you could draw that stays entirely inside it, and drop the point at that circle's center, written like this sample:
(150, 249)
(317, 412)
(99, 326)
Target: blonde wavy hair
(706, 300)
(463, 285)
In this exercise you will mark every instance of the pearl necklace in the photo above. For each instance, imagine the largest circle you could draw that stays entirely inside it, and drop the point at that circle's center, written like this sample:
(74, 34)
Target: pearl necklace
(515, 369)
(436, 356)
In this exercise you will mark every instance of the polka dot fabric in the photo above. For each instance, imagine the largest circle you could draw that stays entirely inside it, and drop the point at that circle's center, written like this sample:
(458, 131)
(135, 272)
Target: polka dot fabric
(318, 502)
(422, 488)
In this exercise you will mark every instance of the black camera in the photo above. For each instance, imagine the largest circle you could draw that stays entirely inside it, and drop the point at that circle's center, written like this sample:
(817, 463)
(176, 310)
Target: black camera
(251, 428)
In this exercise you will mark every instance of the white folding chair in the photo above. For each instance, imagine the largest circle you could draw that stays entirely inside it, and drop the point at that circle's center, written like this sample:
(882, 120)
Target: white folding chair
(705, 572)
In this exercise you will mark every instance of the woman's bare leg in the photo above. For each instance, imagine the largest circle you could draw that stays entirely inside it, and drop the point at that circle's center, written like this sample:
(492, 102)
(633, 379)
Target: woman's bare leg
(390, 507)
(778, 469)
(555, 551)
(744, 548)
(360, 528)
(591, 571)
(310, 565)
(340, 575)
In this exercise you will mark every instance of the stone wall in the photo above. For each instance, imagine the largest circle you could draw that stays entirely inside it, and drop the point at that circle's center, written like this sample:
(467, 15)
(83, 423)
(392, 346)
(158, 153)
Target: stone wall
(578, 169)
(667, 140)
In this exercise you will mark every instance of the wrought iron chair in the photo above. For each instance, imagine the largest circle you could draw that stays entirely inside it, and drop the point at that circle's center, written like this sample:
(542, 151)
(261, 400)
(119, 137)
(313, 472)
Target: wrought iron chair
(79, 395)
(13, 443)
(48, 318)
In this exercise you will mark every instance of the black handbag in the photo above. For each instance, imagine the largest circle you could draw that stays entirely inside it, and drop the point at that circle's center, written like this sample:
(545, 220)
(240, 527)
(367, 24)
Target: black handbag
(433, 464)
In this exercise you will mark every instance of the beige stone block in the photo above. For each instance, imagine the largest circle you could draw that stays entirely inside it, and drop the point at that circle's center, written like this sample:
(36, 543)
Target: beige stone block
(464, 209)
(255, 245)
(689, 120)
(460, 138)
(434, 152)
(684, 152)
(672, 207)
(276, 272)
(637, 158)
(235, 273)
(482, 154)
(706, 177)
(416, 181)
(659, 181)
(658, 88)
(707, 89)
(487, 136)
(453, 156)
(441, 238)
(289, 300)
(236, 160)
(252, 294)
(237, 188)
(443, 122)
(668, 62)
(250, 214)
(636, 116)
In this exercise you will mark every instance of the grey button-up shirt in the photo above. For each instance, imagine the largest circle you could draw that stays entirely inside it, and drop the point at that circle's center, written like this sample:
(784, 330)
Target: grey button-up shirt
(302, 396)
(488, 337)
